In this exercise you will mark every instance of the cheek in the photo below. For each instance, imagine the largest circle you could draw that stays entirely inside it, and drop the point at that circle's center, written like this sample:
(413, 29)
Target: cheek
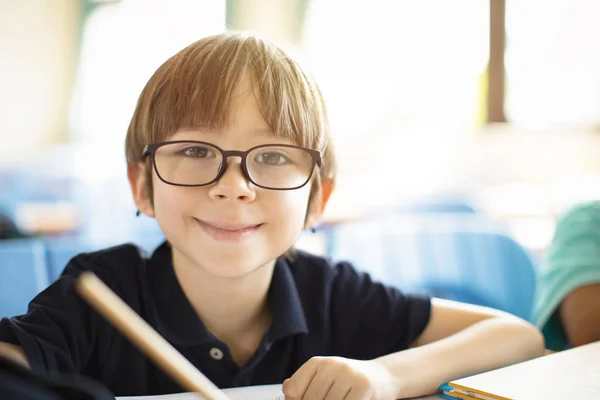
(171, 200)
(290, 207)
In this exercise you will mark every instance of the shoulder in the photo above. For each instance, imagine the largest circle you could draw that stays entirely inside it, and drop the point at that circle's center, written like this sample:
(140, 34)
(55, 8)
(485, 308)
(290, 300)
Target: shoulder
(336, 278)
(122, 268)
(576, 241)
(587, 213)
(365, 318)
(310, 266)
(117, 263)
(577, 233)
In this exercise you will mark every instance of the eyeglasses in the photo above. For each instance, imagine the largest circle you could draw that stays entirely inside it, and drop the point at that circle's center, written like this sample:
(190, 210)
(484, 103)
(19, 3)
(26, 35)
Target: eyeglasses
(269, 166)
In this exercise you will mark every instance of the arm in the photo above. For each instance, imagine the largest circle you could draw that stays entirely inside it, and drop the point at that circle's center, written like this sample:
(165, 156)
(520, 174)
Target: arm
(461, 340)
(390, 345)
(14, 353)
(580, 315)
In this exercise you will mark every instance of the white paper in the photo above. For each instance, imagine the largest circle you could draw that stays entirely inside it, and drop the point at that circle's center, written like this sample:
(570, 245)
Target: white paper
(266, 392)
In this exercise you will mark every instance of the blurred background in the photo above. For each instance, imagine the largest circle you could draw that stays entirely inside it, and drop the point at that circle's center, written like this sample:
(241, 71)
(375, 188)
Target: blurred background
(463, 128)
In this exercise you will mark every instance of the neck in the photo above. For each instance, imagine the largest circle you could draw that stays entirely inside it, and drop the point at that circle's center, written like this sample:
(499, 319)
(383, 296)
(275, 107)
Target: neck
(228, 307)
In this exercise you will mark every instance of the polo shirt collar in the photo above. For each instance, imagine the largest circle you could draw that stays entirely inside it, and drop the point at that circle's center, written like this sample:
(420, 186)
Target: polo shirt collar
(178, 322)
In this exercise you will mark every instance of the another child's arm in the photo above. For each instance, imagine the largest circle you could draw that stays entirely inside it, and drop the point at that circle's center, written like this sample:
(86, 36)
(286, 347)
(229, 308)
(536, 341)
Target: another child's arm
(459, 340)
(580, 315)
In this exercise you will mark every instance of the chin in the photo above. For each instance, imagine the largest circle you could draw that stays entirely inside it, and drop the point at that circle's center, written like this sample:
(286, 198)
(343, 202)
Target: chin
(231, 266)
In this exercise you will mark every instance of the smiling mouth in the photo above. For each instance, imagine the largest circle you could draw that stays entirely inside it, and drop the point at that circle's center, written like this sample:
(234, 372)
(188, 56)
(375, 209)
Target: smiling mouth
(227, 232)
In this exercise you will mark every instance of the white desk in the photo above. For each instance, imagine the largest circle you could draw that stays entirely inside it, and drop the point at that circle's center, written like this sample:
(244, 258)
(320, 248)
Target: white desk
(255, 393)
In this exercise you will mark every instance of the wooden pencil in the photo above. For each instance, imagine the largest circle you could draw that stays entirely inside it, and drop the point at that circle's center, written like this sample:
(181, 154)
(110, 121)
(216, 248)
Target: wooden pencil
(144, 337)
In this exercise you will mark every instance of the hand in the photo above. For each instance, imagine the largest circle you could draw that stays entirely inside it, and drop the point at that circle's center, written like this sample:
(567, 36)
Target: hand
(337, 378)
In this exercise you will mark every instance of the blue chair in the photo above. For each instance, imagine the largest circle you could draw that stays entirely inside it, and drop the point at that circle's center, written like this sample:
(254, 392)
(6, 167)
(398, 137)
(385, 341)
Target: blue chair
(23, 274)
(439, 203)
(440, 207)
(467, 259)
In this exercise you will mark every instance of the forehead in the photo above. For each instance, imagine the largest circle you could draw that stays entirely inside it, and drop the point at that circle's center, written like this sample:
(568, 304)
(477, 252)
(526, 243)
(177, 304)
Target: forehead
(242, 117)
(231, 139)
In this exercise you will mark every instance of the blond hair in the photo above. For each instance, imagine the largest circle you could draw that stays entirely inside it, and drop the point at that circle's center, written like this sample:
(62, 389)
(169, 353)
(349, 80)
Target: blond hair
(194, 88)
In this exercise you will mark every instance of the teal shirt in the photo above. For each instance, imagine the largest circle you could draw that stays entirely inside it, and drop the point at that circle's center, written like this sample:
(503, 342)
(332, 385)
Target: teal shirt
(572, 261)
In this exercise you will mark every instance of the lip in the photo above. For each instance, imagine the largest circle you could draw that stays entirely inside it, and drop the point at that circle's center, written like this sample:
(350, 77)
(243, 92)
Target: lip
(227, 232)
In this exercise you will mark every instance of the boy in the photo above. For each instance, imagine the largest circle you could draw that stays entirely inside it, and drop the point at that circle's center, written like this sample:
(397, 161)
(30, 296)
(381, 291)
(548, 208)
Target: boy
(229, 150)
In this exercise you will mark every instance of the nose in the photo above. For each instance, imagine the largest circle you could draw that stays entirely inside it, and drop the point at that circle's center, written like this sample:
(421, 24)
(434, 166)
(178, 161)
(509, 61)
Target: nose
(233, 184)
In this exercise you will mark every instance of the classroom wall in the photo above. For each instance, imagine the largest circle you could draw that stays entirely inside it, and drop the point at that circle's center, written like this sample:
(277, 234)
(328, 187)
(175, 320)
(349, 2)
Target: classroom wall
(281, 21)
(38, 46)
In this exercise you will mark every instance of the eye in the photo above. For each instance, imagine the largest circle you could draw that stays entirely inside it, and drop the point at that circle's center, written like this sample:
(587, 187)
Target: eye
(197, 152)
(272, 158)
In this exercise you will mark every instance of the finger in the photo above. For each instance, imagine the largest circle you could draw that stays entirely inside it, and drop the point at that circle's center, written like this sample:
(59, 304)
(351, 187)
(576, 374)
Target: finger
(358, 393)
(295, 387)
(319, 386)
(339, 390)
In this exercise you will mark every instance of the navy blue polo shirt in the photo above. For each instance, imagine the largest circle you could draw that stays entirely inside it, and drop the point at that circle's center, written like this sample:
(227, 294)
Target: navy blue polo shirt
(318, 309)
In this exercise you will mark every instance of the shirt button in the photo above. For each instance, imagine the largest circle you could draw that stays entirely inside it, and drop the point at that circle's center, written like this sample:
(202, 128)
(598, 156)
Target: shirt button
(216, 353)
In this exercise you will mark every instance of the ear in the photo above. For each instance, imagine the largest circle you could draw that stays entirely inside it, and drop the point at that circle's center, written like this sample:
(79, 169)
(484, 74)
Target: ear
(136, 173)
(317, 208)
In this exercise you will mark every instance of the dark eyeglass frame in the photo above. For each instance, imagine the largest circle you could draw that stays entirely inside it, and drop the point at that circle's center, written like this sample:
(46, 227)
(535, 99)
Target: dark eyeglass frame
(150, 150)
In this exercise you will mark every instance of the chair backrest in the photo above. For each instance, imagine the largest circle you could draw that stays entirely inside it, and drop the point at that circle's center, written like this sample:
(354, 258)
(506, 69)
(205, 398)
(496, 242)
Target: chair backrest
(437, 205)
(471, 261)
(23, 274)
